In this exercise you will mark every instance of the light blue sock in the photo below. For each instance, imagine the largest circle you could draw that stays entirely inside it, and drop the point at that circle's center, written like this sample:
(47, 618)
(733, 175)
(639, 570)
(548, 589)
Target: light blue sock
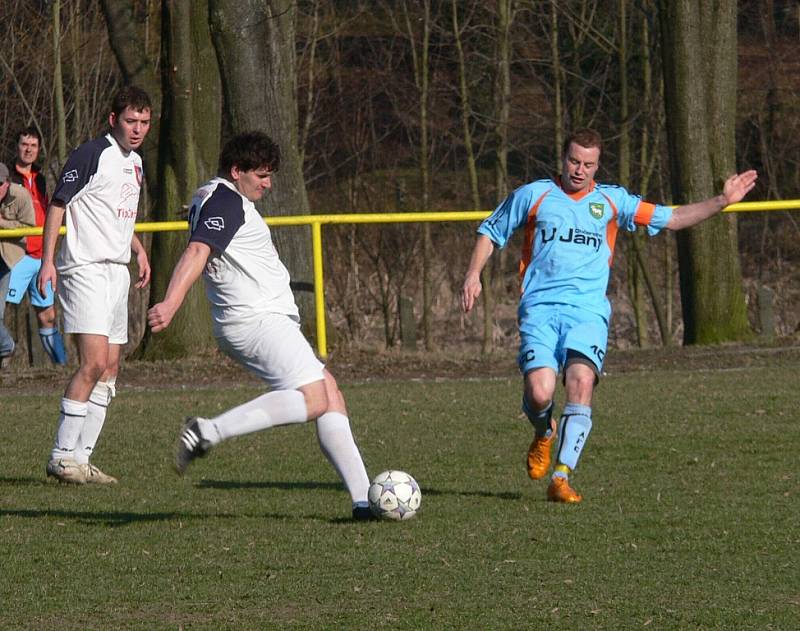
(53, 345)
(540, 420)
(575, 425)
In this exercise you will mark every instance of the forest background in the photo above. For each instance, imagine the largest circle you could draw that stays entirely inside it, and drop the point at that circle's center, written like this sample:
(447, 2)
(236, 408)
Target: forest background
(404, 106)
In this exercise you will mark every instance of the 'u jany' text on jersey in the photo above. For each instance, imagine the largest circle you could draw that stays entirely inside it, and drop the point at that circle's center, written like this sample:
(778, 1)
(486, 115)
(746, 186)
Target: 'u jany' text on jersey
(569, 239)
(244, 276)
(99, 187)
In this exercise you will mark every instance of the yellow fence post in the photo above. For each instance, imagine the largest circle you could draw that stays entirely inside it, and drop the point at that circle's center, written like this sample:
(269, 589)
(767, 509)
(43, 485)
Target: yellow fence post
(319, 289)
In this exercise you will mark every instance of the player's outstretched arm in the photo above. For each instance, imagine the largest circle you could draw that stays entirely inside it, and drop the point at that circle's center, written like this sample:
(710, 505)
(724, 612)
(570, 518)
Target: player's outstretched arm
(142, 263)
(734, 190)
(52, 224)
(188, 270)
(472, 281)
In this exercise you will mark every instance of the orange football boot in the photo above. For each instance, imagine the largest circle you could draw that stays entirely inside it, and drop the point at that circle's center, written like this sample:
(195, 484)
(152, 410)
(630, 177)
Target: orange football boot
(539, 454)
(560, 491)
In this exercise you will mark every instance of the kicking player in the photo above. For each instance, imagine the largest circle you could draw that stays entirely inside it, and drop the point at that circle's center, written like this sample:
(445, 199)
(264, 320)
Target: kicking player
(570, 226)
(98, 190)
(256, 321)
(24, 275)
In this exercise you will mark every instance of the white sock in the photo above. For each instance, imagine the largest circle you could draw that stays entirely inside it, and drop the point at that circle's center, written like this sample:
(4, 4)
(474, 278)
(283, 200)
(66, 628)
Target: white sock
(96, 408)
(280, 407)
(337, 443)
(70, 423)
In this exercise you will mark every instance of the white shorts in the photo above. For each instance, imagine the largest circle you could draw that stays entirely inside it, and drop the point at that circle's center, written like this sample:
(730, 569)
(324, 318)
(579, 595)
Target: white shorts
(275, 349)
(94, 300)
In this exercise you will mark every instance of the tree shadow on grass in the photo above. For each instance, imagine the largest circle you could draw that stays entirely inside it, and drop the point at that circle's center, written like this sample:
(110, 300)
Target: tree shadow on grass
(337, 486)
(105, 518)
(116, 519)
(29, 481)
(269, 484)
(502, 495)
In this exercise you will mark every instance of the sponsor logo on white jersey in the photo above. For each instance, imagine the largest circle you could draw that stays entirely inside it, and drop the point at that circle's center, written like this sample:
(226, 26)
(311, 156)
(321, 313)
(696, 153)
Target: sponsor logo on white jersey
(127, 191)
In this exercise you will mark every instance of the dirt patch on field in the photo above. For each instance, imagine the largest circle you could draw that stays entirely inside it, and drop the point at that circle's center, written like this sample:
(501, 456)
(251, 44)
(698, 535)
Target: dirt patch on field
(350, 366)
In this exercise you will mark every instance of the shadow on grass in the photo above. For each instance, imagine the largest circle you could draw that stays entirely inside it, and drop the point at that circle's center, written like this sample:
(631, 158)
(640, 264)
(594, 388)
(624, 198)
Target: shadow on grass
(106, 518)
(336, 486)
(502, 495)
(115, 519)
(285, 486)
(23, 481)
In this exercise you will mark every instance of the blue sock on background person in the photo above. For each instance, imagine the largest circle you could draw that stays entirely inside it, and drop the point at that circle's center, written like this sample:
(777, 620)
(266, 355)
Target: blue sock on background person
(53, 344)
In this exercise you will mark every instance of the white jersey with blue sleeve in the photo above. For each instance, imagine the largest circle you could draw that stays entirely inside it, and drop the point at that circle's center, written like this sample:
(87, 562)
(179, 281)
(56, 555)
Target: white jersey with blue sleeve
(569, 239)
(99, 186)
(244, 276)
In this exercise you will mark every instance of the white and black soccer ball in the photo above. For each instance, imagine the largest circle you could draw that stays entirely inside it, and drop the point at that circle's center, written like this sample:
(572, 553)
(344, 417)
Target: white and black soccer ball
(394, 495)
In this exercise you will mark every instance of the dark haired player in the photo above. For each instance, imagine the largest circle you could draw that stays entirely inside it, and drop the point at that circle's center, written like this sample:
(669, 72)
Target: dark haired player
(98, 190)
(570, 227)
(256, 321)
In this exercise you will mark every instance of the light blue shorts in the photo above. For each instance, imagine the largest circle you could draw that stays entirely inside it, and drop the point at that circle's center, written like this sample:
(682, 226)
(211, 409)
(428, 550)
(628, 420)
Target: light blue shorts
(25, 278)
(549, 332)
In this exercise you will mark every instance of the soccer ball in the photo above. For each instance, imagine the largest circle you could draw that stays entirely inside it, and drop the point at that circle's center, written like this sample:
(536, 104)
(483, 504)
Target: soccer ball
(394, 495)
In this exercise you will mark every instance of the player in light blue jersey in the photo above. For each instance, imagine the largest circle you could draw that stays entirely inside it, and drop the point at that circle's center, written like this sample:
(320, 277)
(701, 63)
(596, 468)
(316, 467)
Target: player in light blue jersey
(570, 228)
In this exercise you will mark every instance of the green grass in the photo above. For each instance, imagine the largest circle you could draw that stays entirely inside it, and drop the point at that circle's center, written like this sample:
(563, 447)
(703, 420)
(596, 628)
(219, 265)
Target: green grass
(690, 517)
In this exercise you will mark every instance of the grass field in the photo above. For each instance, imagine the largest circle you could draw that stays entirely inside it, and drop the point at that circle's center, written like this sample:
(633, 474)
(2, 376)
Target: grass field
(690, 518)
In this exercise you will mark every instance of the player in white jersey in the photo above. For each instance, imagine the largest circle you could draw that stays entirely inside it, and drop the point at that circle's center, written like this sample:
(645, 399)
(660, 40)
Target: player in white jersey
(255, 318)
(570, 226)
(98, 190)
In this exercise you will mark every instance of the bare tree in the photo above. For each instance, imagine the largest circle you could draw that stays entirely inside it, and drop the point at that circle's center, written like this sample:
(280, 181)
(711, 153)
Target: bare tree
(188, 150)
(699, 48)
(261, 34)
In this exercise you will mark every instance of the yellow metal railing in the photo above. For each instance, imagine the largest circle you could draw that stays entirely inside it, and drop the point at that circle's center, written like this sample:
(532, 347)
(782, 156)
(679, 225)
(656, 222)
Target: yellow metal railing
(316, 221)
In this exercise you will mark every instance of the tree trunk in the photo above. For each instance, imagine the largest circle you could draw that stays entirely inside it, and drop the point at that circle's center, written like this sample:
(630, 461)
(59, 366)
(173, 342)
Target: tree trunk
(58, 85)
(699, 48)
(472, 171)
(495, 269)
(558, 108)
(425, 176)
(255, 46)
(127, 37)
(636, 292)
(189, 147)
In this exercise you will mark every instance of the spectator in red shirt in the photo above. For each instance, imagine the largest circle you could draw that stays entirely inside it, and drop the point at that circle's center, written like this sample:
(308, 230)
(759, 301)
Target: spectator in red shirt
(25, 274)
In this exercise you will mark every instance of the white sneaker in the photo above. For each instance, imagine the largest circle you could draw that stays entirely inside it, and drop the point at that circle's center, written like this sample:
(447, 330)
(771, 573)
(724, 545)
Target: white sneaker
(66, 470)
(93, 475)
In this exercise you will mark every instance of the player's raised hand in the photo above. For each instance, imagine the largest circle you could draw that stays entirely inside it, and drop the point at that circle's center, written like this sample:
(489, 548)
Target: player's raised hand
(739, 185)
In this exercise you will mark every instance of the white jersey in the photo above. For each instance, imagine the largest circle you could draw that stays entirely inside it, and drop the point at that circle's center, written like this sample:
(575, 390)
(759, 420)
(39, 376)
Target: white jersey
(99, 187)
(244, 277)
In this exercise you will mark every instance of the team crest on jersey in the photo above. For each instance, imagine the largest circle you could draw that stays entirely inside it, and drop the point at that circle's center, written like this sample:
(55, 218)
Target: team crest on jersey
(138, 171)
(70, 176)
(596, 209)
(215, 223)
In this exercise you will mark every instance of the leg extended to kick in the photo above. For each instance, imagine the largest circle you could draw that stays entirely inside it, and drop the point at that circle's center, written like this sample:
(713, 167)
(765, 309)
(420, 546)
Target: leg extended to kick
(337, 443)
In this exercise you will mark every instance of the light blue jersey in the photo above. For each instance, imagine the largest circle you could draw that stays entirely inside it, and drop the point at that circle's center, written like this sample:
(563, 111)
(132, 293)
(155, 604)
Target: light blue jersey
(569, 239)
